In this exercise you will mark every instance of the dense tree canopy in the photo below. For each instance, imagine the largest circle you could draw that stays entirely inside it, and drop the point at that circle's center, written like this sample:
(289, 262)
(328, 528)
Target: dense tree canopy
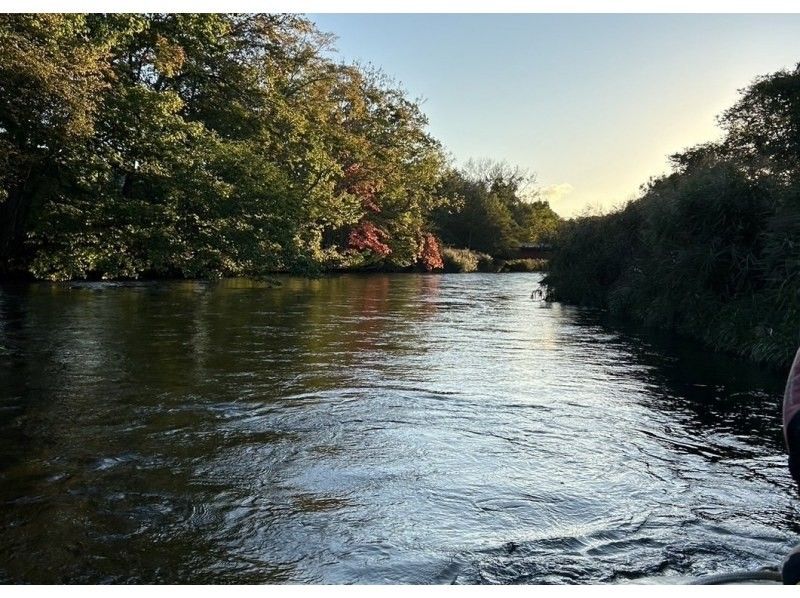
(204, 145)
(713, 249)
(214, 145)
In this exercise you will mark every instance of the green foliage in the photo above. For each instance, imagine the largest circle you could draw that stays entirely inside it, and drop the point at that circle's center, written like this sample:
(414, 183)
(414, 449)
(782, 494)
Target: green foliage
(712, 249)
(201, 145)
(485, 209)
(524, 265)
(465, 260)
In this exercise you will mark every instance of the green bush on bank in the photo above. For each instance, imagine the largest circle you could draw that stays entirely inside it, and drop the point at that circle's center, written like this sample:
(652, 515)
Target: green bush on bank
(465, 260)
(524, 265)
(712, 250)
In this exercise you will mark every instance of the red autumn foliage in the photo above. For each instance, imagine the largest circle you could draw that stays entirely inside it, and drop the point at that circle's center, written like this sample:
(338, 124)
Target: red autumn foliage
(367, 236)
(356, 183)
(431, 256)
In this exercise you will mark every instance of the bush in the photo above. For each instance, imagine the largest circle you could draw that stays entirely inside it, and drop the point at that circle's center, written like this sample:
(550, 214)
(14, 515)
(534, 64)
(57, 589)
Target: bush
(486, 263)
(709, 252)
(459, 260)
(465, 260)
(524, 265)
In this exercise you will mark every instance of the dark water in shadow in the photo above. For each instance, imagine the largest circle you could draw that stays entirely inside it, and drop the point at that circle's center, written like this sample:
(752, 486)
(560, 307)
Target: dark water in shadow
(426, 429)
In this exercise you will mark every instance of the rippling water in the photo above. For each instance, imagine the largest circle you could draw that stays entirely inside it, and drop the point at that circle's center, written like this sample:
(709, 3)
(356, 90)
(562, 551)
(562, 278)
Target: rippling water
(425, 429)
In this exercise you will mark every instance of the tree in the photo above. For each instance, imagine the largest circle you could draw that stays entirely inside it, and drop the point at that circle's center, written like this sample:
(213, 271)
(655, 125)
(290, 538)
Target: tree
(491, 209)
(203, 145)
(53, 72)
(711, 249)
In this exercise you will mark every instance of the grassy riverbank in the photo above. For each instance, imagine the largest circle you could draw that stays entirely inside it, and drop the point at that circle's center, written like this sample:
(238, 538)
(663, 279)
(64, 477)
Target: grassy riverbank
(712, 250)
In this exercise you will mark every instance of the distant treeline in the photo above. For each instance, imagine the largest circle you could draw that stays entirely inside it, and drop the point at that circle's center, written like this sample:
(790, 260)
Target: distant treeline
(493, 210)
(185, 145)
(713, 249)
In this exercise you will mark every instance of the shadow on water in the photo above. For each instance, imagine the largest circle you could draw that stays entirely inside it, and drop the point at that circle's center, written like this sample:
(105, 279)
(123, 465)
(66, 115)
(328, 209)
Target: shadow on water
(715, 388)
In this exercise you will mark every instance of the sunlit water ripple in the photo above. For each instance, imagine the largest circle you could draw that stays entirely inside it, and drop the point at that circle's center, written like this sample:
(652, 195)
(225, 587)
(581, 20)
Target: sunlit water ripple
(373, 429)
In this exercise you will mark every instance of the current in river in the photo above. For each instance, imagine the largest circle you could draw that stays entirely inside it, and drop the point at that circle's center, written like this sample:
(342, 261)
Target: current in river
(374, 429)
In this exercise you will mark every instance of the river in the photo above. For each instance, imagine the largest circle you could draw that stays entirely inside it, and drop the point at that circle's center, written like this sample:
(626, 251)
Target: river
(373, 429)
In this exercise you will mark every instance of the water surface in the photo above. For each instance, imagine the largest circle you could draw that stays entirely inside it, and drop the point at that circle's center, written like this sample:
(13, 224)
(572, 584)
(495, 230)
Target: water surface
(373, 429)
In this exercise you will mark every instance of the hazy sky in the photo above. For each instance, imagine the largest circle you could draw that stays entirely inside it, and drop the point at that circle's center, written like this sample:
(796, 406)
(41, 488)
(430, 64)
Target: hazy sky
(593, 104)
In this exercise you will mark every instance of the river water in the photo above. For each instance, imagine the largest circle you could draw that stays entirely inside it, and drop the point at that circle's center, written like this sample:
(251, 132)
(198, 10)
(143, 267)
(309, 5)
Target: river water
(373, 429)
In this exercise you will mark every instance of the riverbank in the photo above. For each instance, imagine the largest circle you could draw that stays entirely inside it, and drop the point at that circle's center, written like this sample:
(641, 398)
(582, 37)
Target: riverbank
(728, 305)
(466, 260)
(455, 261)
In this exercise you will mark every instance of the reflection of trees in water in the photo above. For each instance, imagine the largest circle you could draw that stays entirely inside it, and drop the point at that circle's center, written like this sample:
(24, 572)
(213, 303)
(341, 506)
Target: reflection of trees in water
(106, 404)
(347, 323)
(725, 410)
(114, 391)
(159, 340)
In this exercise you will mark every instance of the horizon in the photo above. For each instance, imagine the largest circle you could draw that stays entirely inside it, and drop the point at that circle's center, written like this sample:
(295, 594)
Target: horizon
(591, 138)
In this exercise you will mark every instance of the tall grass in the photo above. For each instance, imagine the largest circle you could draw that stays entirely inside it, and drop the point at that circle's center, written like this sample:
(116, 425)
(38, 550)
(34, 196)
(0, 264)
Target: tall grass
(466, 260)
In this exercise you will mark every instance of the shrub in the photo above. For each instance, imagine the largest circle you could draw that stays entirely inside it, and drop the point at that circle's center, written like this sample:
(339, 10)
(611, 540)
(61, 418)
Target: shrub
(465, 260)
(459, 260)
(524, 265)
